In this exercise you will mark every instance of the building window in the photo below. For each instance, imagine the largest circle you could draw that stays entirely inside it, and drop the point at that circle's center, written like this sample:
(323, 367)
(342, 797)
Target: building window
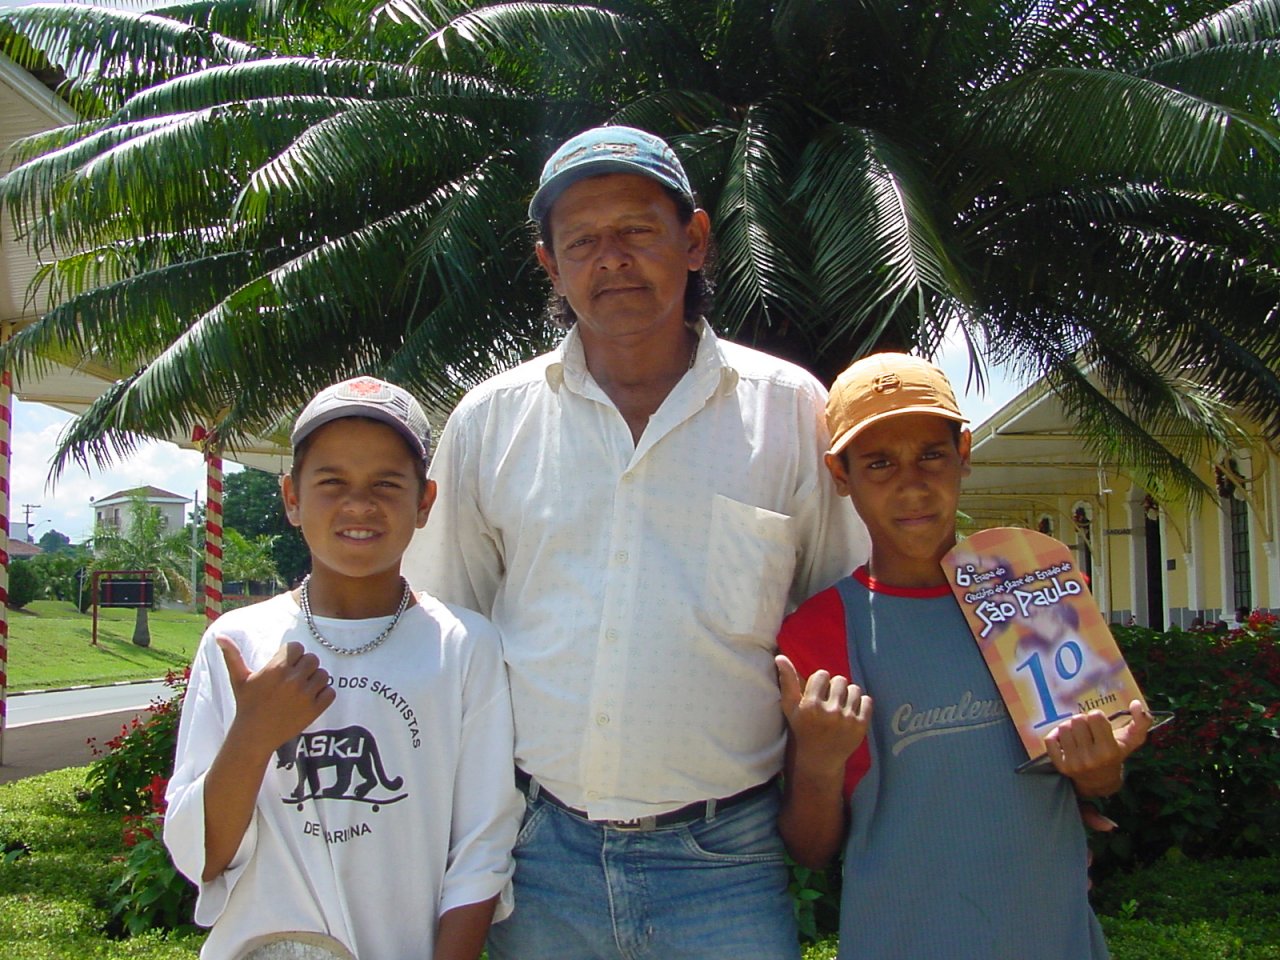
(1242, 594)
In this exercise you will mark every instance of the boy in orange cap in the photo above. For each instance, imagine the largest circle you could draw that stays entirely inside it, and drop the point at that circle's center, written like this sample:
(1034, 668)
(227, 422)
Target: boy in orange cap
(947, 851)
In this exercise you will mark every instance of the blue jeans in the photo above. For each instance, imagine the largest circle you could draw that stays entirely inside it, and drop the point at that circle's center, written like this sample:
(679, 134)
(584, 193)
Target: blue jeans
(712, 889)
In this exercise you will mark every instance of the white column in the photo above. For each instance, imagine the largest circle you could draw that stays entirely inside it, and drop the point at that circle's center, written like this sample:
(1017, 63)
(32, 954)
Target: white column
(6, 416)
(1137, 518)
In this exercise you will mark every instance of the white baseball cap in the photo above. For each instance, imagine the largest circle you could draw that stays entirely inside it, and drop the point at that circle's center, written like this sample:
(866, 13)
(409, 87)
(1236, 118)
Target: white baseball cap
(367, 397)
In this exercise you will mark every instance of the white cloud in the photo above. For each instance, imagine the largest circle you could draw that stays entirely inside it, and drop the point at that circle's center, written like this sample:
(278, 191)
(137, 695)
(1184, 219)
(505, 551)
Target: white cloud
(66, 506)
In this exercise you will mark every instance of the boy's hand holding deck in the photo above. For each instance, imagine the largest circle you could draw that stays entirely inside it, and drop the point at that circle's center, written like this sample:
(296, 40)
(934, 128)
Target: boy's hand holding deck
(947, 850)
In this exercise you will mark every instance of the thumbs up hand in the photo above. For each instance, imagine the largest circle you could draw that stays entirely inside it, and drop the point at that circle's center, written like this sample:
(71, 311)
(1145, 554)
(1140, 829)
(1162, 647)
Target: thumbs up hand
(827, 715)
(277, 702)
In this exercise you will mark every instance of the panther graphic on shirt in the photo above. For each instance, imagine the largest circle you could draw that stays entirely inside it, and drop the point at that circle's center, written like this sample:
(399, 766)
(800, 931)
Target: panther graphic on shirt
(346, 751)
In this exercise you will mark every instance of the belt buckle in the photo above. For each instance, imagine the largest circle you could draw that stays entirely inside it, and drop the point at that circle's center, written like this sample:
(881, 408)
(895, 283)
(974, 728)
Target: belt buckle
(635, 824)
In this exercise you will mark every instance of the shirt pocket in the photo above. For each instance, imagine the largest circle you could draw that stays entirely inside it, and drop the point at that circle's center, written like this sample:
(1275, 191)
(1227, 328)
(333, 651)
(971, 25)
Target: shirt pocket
(751, 559)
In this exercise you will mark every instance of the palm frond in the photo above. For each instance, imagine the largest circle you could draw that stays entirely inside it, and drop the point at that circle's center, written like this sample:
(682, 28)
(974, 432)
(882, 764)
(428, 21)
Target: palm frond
(1114, 436)
(1062, 125)
(96, 322)
(116, 52)
(1247, 22)
(571, 42)
(760, 282)
(881, 260)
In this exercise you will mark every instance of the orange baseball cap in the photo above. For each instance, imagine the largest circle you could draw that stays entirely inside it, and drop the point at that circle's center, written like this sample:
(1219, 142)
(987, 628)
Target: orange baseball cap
(885, 385)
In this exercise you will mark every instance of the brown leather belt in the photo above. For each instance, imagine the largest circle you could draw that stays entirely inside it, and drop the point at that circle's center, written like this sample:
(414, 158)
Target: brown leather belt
(698, 810)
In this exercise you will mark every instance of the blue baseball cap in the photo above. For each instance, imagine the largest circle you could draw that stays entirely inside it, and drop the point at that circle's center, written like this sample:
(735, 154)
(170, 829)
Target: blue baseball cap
(608, 150)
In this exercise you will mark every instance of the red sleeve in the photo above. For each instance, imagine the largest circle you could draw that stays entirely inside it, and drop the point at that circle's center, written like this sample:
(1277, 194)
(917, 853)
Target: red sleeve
(813, 638)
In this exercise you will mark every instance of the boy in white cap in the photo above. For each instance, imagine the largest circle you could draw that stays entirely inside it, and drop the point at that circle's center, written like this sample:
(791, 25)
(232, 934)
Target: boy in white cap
(947, 851)
(344, 755)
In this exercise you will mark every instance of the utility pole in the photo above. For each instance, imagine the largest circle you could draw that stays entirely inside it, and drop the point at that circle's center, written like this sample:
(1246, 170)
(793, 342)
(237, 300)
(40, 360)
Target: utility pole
(26, 516)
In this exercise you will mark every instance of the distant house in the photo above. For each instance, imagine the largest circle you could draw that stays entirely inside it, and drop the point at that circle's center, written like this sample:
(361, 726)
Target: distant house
(114, 510)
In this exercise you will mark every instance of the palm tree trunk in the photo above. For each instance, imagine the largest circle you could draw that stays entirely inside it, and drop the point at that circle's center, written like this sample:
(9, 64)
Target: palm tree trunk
(141, 631)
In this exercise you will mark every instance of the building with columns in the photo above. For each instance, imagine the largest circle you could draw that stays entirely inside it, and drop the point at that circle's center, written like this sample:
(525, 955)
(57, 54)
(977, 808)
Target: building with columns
(1159, 563)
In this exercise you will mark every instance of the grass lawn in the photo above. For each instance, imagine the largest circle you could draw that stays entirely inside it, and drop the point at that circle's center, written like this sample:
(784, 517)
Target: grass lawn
(59, 859)
(50, 645)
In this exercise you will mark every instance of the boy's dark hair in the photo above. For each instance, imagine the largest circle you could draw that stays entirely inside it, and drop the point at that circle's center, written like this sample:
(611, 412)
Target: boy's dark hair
(300, 454)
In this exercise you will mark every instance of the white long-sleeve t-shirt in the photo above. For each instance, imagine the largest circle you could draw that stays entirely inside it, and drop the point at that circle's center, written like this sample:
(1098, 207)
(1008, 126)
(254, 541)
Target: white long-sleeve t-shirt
(396, 805)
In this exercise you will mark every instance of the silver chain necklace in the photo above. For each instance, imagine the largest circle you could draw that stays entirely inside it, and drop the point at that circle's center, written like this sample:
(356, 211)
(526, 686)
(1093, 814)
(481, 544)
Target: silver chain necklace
(304, 601)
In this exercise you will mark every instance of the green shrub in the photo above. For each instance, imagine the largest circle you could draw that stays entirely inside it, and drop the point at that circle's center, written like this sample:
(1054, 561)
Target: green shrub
(58, 573)
(815, 899)
(1207, 784)
(1176, 889)
(130, 777)
(150, 894)
(1196, 940)
(24, 584)
(1178, 909)
(121, 779)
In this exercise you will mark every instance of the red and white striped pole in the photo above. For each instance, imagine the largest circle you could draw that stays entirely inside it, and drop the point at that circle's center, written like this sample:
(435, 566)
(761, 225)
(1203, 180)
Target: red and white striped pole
(6, 420)
(212, 525)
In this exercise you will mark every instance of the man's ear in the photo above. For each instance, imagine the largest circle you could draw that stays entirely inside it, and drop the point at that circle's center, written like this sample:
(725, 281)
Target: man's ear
(425, 504)
(965, 446)
(290, 497)
(836, 467)
(548, 261)
(698, 230)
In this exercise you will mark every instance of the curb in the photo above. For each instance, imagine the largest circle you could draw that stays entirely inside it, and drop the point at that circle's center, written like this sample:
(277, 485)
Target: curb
(81, 686)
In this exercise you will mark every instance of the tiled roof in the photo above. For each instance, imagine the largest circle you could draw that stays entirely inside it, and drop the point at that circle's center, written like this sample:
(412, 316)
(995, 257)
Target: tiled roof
(148, 493)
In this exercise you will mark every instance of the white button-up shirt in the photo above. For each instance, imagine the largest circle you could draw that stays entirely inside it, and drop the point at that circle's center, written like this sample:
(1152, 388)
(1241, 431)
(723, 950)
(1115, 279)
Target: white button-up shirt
(639, 586)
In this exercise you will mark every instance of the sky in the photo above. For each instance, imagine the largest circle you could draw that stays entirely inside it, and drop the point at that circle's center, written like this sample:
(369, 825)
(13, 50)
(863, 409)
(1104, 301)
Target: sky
(66, 507)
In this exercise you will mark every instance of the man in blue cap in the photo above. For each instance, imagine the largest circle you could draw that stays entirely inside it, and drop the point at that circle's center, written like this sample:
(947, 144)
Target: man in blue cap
(636, 511)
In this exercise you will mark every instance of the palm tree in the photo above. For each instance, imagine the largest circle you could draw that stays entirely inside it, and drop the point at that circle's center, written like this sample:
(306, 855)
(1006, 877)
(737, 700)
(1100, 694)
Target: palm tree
(141, 543)
(1086, 191)
(247, 559)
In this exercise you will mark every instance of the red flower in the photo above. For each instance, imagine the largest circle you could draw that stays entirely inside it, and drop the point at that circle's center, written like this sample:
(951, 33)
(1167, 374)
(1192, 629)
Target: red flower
(155, 789)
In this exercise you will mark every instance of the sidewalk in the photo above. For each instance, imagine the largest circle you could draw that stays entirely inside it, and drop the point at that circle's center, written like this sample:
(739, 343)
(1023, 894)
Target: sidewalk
(40, 747)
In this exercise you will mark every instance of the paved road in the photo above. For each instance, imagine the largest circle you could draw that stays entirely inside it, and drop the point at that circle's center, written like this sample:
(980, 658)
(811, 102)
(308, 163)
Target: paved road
(83, 702)
(39, 743)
